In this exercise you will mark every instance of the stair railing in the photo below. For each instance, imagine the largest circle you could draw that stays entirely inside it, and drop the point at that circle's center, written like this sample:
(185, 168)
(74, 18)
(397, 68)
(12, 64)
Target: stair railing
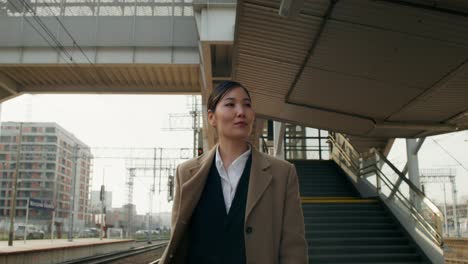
(344, 153)
(408, 196)
(426, 214)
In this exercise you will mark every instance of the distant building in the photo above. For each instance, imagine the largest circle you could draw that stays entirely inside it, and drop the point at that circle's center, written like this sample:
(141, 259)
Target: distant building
(124, 217)
(49, 156)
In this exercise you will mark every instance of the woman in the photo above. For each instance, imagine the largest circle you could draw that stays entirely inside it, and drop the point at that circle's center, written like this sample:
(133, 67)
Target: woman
(234, 204)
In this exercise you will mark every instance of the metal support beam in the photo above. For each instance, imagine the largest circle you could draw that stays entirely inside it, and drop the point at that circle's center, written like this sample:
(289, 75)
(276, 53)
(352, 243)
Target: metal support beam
(8, 84)
(416, 126)
(413, 167)
(405, 169)
(278, 139)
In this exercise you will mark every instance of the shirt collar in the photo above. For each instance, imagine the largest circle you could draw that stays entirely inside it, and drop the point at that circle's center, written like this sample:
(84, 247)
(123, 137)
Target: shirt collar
(239, 160)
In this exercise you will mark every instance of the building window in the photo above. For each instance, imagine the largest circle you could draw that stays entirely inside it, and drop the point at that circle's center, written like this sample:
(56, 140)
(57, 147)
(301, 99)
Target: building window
(51, 139)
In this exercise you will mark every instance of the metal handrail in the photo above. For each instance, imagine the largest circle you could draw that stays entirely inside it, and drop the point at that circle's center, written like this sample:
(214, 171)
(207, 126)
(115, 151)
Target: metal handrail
(264, 145)
(345, 154)
(435, 232)
(414, 188)
(437, 237)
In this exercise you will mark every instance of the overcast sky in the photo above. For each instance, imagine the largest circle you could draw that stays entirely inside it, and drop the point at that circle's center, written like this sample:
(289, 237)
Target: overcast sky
(116, 123)
(138, 121)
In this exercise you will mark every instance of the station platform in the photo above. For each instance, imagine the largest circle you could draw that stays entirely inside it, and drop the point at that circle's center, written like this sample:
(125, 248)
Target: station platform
(59, 250)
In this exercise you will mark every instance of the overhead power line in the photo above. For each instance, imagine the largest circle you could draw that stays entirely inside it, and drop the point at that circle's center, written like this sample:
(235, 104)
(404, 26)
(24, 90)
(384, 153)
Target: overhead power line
(46, 29)
(453, 157)
(75, 43)
(40, 33)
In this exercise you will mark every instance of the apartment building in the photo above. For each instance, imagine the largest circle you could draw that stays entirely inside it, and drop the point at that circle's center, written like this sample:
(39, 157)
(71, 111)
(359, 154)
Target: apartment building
(52, 161)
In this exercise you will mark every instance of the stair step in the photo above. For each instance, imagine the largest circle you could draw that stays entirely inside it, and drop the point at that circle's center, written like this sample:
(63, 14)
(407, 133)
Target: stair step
(358, 249)
(365, 258)
(330, 192)
(348, 219)
(319, 175)
(362, 241)
(379, 262)
(353, 233)
(309, 193)
(350, 226)
(343, 206)
(338, 213)
(327, 186)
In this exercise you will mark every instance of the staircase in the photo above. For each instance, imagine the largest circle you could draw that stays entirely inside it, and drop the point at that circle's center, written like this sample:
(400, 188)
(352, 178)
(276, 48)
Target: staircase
(341, 227)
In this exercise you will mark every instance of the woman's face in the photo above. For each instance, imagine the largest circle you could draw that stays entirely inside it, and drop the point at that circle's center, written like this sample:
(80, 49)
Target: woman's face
(233, 116)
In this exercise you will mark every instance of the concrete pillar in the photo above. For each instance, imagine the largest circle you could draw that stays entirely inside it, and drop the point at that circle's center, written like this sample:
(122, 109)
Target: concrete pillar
(413, 167)
(278, 139)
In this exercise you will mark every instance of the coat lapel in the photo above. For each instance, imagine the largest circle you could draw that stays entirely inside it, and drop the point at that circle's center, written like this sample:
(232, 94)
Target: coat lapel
(192, 189)
(260, 178)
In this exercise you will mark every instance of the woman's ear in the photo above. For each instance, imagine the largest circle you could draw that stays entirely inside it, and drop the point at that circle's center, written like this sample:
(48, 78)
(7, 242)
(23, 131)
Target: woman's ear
(211, 118)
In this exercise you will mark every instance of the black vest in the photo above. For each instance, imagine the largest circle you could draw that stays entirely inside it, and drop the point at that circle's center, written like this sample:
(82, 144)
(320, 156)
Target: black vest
(217, 237)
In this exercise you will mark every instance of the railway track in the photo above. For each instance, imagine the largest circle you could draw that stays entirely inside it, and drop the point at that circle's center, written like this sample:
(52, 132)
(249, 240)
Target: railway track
(117, 256)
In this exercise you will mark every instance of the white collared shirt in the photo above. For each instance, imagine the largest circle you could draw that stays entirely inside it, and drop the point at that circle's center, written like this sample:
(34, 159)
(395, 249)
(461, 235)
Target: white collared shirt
(230, 178)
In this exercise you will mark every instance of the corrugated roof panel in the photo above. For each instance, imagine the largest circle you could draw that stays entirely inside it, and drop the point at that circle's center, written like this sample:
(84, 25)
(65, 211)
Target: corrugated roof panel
(387, 56)
(161, 78)
(411, 20)
(271, 48)
(275, 108)
(309, 7)
(459, 6)
(440, 104)
(315, 7)
(273, 79)
(372, 58)
(264, 33)
(351, 94)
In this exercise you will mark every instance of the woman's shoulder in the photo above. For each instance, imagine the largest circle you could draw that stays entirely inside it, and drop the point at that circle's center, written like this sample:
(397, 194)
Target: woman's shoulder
(188, 163)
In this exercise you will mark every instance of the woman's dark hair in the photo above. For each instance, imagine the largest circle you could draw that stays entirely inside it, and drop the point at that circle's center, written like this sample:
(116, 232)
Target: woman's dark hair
(219, 92)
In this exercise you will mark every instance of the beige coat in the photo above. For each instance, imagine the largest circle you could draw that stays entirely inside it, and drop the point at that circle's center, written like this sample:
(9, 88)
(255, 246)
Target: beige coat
(273, 211)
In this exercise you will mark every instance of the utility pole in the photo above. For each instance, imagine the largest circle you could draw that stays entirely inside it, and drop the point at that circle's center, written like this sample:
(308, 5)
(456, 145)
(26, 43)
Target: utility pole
(447, 233)
(102, 197)
(15, 186)
(456, 221)
(151, 196)
(180, 122)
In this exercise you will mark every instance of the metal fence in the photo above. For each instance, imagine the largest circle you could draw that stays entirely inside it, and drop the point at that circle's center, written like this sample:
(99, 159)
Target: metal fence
(62, 8)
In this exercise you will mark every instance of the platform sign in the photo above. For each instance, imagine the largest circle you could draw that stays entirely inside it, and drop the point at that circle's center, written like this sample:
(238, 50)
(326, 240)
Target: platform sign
(41, 204)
